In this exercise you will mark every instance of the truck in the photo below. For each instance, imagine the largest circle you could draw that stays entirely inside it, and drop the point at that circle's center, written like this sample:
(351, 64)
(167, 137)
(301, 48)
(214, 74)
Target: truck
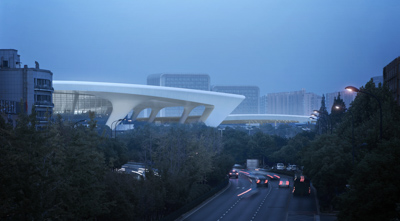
(301, 186)
(252, 164)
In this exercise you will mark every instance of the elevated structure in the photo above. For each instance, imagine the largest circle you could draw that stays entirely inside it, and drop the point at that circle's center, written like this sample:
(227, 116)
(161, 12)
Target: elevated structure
(264, 118)
(126, 97)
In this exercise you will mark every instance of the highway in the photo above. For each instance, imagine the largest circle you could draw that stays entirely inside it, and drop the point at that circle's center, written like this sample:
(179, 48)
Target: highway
(242, 200)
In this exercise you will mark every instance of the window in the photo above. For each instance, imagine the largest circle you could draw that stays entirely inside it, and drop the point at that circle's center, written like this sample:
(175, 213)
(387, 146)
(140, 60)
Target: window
(5, 64)
(43, 82)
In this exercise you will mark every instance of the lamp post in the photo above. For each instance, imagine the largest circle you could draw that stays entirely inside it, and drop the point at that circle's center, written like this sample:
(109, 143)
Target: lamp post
(221, 129)
(79, 121)
(115, 128)
(354, 89)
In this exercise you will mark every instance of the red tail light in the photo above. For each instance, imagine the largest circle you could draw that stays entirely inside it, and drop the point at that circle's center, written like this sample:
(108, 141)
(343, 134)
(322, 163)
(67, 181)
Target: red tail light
(280, 182)
(302, 179)
(309, 190)
(277, 176)
(266, 181)
(287, 183)
(258, 181)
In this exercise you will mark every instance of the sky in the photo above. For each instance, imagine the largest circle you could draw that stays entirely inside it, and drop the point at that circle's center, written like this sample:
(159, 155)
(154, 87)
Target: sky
(321, 46)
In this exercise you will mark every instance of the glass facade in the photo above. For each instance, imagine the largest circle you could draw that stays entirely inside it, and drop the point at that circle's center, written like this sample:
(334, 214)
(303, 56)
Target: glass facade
(73, 104)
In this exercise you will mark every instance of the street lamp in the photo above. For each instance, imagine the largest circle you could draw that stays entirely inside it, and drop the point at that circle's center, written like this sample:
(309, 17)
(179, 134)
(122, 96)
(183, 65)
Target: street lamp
(354, 89)
(79, 121)
(221, 129)
(115, 128)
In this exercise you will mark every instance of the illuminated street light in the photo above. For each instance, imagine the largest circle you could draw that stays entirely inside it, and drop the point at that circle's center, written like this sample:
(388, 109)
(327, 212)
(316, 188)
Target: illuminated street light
(354, 89)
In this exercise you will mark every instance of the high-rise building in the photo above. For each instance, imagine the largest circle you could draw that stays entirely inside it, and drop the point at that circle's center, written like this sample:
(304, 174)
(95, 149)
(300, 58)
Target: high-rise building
(346, 96)
(290, 103)
(263, 104)
(189, 81)
(286, 103)
(311, 102)
(250, 105)
(391, 76)
(24, 88)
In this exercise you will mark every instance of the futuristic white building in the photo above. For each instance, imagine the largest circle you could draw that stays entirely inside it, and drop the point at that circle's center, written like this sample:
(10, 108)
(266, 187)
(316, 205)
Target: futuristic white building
(126, 97)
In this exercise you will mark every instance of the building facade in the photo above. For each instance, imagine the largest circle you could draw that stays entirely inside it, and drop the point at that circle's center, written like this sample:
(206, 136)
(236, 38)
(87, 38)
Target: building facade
(311, 102)
(347, 97)
(250, 105)
(290, 103)
(189, 81)
(391, 76)
(21, 89)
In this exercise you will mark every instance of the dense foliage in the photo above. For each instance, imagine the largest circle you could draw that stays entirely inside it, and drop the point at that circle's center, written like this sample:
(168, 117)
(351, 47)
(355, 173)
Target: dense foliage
(67, 171)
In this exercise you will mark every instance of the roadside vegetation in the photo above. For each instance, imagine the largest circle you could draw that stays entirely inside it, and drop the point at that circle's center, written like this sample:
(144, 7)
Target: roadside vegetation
(67, 171)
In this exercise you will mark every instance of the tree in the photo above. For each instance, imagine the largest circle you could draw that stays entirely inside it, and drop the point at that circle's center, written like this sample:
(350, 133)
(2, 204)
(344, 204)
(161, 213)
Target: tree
(337, 111)
(327, 160)
(374, 188)
(323, 122)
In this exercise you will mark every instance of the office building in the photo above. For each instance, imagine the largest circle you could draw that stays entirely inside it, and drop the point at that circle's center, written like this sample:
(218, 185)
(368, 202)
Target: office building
(391, 76)
(189, 81)
(311, 102)
(346, 96)
(24, 88)
(291, 103)
(250, 105)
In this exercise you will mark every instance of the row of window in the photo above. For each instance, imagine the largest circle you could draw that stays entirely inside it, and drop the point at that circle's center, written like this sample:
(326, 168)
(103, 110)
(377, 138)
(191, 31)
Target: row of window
(42, 82)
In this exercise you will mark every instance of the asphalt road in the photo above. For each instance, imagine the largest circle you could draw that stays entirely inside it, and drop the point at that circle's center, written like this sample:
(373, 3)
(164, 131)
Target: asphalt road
(242, 200)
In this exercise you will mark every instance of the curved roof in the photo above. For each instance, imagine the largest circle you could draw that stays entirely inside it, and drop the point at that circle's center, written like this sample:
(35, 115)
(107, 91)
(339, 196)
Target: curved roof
(127, 97)
(265, 118)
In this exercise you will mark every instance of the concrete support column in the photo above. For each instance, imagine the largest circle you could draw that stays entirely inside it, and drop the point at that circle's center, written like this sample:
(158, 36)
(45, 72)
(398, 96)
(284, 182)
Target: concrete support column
(136, 112)
(185, 114)
(154, 112)
(206, 113)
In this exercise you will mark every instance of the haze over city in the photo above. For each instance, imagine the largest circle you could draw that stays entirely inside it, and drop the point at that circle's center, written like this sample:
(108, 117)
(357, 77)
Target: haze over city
(319, 46)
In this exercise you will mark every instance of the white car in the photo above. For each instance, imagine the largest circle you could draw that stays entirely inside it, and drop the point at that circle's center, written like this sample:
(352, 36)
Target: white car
(280, 166)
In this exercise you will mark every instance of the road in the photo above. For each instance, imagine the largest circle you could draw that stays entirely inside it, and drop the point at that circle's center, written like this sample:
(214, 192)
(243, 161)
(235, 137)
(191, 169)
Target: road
(242, 200)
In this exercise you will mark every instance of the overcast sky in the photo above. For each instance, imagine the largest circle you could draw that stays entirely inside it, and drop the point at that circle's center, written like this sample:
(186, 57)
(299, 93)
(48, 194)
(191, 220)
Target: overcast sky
(279, 45)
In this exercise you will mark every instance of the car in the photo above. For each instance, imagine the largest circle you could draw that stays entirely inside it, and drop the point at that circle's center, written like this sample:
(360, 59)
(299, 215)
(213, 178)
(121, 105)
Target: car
(261, 181)
(283, 183)
(289, 168)
(234, 174)
(294, 167)
(280, 166)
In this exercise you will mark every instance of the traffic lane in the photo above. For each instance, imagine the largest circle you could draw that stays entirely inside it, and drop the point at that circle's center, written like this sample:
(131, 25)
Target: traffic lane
(248, 205)
(275, 205)
(302, 208)
(223, 203)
